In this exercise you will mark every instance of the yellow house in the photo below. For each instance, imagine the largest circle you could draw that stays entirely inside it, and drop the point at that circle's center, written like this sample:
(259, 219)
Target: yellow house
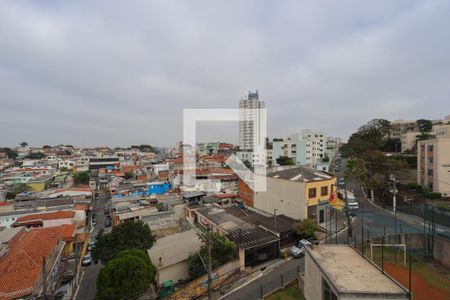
(298, 193)
(41, 183)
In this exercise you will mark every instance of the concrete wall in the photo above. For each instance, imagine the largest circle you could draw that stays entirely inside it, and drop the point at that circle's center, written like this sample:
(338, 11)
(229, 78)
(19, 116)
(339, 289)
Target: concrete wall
(198, 287)
(178, 271)
(57, 222)
(441, 250)
(286, 196)
(313, 279)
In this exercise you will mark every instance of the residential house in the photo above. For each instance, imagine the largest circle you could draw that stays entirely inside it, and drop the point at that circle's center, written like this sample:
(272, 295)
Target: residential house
(298, 193)
(46, 219)
(255, 244)
(22, 272)
(170, 255)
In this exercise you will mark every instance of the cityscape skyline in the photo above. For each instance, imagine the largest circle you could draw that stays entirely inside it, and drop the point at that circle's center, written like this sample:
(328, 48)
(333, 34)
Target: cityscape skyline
(114, 74)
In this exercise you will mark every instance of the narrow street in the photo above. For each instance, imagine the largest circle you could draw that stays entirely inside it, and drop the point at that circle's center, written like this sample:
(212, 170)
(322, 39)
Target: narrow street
(286, 271)
(87, 287)
(378, 220)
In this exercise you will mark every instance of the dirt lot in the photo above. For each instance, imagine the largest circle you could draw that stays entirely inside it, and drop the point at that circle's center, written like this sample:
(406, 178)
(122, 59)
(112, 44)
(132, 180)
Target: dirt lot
(422, 288)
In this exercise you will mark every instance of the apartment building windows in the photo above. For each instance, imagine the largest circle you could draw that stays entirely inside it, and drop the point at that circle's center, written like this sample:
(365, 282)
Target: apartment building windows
(323, 191)
(312, 193)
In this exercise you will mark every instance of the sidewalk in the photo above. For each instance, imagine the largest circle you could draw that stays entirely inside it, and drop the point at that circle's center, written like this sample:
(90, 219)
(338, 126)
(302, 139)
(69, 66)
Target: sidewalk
(250, 274)
(409, 219)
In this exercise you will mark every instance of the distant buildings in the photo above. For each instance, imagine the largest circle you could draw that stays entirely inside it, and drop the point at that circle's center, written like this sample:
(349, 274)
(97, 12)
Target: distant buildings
(408, 133)
(308, 147)
(433, 161)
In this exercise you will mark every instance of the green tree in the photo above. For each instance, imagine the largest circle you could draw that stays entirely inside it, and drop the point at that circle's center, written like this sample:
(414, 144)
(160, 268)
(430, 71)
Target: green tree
(356, 169)
(305, 228)
(222, 251)
(81, 178)
(424, 125)
(36, 155)
(23, 144)
(46, 147)
(372, 136)
(129, 175)
(285, 161)
(9, 152)
(125, 236)
(129, 273)
(17, 189)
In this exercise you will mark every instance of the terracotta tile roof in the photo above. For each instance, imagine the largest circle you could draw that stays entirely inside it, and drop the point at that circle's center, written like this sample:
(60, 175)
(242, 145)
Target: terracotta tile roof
(81, 206)
(21, 267)
(68, 231)
(177, 160)
(54, 215)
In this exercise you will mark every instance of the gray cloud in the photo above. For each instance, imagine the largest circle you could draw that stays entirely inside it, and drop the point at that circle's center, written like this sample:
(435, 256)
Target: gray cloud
(117, 73)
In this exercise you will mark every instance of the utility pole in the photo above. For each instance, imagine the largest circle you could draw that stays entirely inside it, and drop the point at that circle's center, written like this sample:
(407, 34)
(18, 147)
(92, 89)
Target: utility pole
(44, 279)
(347, 211)
(275, 217)
(370, 173)
(394, 192)
(208, 228)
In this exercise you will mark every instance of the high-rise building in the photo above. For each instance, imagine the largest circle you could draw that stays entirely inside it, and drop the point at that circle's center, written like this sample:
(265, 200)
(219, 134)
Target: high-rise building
(249, 130)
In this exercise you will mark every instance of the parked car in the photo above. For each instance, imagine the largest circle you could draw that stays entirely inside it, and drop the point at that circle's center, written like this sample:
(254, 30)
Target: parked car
(337, 168)
(91, 245)
(94, 222)
(87, 260)
(298, 249)
(108, 222)
(341, 182)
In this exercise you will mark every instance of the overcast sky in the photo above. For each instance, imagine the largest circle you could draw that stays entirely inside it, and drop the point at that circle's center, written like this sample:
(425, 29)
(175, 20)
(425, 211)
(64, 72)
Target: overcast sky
(121, 72)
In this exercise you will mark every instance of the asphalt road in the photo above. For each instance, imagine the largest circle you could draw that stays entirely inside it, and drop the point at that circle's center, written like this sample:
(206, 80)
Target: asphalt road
(269, 281)
(377, 220)
(87, 287)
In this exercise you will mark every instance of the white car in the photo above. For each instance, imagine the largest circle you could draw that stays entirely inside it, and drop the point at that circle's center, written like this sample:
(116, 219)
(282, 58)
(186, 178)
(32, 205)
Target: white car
(298, 249)
(87, 260)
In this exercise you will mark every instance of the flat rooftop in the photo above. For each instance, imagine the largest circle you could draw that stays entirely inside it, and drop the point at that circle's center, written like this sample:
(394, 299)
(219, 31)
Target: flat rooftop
(352, 274)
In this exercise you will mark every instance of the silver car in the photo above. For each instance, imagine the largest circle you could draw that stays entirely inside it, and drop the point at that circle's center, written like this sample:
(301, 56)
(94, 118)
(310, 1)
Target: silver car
(298, 249)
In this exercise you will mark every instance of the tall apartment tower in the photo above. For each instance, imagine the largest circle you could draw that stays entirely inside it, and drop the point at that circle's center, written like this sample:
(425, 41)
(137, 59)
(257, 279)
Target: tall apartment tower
(248, 130)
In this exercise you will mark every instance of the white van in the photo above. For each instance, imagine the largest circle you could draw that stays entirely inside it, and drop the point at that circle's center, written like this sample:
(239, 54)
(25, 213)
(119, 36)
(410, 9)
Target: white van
(351, 201)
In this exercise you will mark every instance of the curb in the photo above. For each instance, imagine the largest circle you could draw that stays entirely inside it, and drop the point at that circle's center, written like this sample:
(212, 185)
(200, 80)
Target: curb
(370, 201)
(78, 286)
(241, 286)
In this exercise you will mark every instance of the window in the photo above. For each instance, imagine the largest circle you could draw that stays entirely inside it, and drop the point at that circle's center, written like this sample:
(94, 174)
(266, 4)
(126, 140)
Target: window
(324, 191)
(327, 292)
(312, 193)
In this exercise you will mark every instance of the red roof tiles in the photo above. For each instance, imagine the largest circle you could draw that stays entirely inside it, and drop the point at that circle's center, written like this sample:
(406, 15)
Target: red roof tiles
(54, 215)
(21, 267)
